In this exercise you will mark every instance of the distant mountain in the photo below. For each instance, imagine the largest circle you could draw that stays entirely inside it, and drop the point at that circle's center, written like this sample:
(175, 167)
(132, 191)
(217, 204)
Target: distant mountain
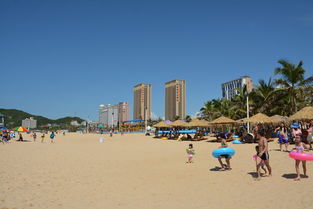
(13, 118)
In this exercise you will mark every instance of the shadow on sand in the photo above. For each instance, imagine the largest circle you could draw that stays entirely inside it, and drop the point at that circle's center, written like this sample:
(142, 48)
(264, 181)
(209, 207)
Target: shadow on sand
(292, 176)
(278, 150)
(216, 168)
(252, 174)
(24, 140)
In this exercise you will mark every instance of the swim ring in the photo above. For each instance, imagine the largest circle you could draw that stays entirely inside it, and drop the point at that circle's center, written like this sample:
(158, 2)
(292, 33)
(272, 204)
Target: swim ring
(237, 142)
(301, 156)
(223, 151)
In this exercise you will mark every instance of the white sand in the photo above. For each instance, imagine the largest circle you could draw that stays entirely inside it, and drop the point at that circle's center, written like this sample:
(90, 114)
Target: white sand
(138, 172)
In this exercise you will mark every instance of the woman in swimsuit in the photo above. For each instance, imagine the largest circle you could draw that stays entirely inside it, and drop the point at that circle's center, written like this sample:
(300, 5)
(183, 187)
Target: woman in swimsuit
(282, 136)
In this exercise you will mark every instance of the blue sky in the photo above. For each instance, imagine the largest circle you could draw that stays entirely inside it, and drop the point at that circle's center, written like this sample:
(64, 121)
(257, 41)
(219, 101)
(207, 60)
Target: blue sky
(61, 58)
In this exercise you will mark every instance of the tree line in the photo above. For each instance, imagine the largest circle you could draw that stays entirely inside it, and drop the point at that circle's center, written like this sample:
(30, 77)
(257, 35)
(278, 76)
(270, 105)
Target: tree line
(284, 95)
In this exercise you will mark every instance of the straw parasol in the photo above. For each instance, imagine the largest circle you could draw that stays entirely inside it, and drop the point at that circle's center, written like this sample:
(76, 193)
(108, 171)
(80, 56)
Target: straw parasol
(242, 120)
(279, 118)
(305, 113)
(161, 124)
(179, 123)
(198, 123)
(223, 120)
(260, 118)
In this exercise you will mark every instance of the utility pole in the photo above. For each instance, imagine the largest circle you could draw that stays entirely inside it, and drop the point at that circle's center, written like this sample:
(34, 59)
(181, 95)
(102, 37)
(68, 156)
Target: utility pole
(248, 124)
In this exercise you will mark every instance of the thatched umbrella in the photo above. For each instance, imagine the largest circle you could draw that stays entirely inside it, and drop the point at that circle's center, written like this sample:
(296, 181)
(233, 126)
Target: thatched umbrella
(198, 123)
(303, 114)
(162, 124)
(260, 118)
(242, 120)
(223, 120)
(279, 118)
(179, 123)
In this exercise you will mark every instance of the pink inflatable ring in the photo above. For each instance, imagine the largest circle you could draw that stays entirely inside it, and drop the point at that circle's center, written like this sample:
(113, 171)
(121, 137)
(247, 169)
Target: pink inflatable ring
(301, 156)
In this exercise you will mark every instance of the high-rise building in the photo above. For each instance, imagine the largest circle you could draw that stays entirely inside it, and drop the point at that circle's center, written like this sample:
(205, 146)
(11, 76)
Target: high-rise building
(101, 113)
(175, 99)
(231, 88)
(2, 121)
(142, 101)
(123, 111)
(108, 114)
(29, 123)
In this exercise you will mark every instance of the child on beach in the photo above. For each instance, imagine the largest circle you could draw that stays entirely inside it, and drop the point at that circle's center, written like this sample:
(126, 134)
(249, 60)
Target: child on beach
(42, 137)
(300, 147)
(191, 152)
(227, 157)
(259, 162)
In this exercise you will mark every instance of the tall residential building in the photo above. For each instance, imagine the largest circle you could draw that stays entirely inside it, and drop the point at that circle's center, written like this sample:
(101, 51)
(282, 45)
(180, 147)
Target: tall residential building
(142, 101)
(1, 121)
(123, 111)
(175, 99)
(101, 113)
(29, 123)
(108, 114)
(231, 88)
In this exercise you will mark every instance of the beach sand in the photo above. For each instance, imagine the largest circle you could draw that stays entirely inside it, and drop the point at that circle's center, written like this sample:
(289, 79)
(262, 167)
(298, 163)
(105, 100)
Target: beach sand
(134, 171)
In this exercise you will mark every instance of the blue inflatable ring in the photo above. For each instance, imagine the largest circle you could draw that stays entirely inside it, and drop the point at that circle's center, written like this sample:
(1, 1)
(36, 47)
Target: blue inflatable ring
(223, 151)
(237, 142)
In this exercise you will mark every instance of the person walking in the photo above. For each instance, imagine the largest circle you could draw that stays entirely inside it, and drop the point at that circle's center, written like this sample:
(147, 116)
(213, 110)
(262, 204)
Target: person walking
(263, 152)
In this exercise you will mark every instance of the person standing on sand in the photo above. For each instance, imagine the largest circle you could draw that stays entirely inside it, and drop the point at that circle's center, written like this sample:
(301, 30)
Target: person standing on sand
(263, 152)
(111, 132)
(282, 137)
(20, 137)
(227, 157)
(34, 136)
(42, 137)
(52, 135)
(191, 152)
(300, 147)
(310, 133)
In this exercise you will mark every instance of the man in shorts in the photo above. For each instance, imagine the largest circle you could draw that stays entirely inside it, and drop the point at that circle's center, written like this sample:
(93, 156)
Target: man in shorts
(263, 152)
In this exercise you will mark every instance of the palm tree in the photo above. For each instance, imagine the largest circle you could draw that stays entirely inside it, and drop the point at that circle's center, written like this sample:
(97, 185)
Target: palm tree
(208, 110)
(263, 95)
(239, 103)
(188, 118)
(292, 80)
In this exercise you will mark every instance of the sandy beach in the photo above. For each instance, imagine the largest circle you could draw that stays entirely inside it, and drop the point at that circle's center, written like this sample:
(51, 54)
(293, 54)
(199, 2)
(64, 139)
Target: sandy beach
(134, 171)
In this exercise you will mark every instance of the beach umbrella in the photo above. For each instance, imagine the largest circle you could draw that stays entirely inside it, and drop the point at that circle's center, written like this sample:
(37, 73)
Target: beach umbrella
(279, 118)
(168, 122)
(198, 123)
(4, 130)
(161, 124)
(223, 120)
(179, 123)
(260, 118)
(305, 113)
(21, 129)
(242, 120)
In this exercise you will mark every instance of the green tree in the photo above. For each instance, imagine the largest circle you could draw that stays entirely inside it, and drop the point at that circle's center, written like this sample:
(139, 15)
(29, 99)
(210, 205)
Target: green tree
(263, 96)
(177, 117)
(292, 81)
(188, 118)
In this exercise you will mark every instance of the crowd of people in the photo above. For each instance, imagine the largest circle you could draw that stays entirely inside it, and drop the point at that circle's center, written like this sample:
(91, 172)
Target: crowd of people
(7, 136)
(285, 136)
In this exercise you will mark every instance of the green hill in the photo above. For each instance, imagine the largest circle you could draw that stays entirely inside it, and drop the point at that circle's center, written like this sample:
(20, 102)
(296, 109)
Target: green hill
(13, 118)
